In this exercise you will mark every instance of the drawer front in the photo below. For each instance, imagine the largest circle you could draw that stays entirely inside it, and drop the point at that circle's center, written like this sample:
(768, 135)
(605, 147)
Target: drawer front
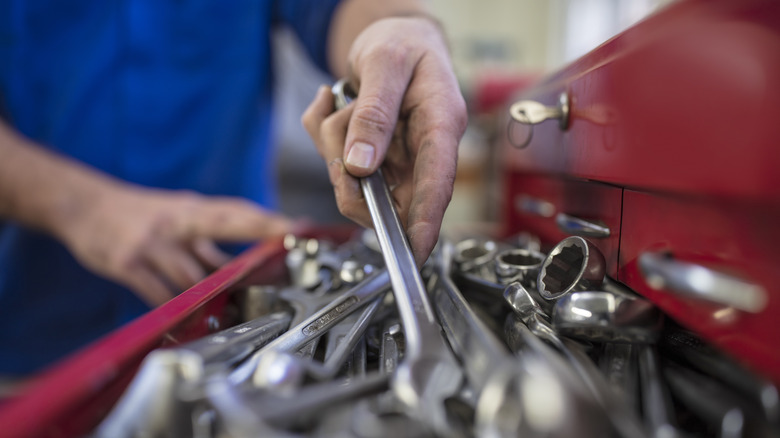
(686, 101)
(554, 208)
(726, 256)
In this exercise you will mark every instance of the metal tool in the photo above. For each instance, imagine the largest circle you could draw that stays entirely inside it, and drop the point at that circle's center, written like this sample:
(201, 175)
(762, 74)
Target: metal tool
(656, 400)
(619, 364)
(290, 370)
(429, 373)
(602, 316)
(159, 400)
(574, 264)
(309, 400)
(478, 349)
(519, 264)
(343, 338)
(546, 398)
(623, 420)
(317, 324)
(472, 254)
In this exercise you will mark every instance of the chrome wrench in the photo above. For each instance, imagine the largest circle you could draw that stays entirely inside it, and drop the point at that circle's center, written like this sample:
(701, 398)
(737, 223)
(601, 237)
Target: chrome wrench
(314, 326)
(429, 374)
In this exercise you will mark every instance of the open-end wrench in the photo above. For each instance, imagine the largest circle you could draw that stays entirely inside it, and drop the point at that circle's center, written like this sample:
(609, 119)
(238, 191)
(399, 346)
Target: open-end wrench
(157, 402)
(476, 346)
(429, 373)
(310, 400)
(539, 395)
(624, 421)
(305, 304)
(342, 339)
(320, 322)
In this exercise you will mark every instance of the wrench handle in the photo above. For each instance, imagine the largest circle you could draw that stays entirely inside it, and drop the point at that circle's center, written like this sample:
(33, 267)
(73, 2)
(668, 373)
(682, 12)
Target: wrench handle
(413, 305)
(410, 294)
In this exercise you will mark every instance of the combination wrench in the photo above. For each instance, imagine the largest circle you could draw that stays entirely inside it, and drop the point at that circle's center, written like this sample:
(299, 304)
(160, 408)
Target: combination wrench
(429, 374)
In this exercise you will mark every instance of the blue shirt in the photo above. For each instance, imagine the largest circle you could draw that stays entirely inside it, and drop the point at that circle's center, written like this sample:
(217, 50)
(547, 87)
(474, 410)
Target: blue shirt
(161, 93)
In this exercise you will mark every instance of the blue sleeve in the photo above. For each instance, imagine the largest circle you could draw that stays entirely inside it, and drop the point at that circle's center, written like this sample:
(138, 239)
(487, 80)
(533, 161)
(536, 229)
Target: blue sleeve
(310, 20)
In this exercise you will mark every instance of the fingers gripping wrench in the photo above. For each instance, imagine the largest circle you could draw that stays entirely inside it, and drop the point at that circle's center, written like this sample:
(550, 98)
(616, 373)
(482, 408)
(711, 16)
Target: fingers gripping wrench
(429, 373)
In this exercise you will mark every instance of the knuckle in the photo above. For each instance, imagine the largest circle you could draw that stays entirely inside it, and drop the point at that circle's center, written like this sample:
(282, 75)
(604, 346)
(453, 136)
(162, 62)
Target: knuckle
(371, 115)
(123, 263)
(397, 54)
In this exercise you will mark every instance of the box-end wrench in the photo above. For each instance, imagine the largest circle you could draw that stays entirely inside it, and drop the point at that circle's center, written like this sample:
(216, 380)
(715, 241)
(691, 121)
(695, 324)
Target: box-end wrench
(538, 395)
(429, 374)
(530, 321)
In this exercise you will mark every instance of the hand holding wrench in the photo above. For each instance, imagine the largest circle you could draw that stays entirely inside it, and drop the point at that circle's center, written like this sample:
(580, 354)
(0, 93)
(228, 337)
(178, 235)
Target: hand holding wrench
(429, 373)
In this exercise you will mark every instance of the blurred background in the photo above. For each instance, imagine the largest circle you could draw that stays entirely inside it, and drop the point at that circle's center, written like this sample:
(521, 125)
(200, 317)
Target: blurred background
(498, 47)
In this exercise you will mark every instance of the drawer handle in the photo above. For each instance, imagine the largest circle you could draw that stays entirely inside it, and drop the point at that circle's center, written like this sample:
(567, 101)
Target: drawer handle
(534, 206)
(661, 271)
(531, 112)
(581, 227)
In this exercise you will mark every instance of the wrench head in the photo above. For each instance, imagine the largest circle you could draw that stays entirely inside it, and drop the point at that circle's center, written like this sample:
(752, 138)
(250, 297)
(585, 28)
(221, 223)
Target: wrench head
(605, 317)
(279, 372)
(521, 301)
(424, 384)
(574, 264)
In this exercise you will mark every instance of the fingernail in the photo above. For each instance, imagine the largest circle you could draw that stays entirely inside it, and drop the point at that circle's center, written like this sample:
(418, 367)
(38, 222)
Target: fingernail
(361, 155)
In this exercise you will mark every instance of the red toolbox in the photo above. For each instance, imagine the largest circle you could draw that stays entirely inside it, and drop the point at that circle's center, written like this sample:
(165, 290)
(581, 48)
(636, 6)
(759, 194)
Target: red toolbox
(667, 163)
(670, 145)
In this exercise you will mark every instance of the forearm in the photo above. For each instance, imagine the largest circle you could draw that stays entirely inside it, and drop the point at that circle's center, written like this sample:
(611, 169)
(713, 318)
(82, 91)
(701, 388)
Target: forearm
(41, 189)
(352, 16)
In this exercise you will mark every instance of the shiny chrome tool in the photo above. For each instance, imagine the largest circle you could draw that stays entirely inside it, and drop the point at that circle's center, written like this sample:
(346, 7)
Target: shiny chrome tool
(429, 373)
(320, 322)
(519, 264)
(602, 316)
(573, 265)
(158, 401)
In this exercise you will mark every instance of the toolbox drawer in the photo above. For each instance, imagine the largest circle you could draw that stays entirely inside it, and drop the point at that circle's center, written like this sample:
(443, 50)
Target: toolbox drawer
(686, 101)
(737, 239)
(678, 115)
(554, 208)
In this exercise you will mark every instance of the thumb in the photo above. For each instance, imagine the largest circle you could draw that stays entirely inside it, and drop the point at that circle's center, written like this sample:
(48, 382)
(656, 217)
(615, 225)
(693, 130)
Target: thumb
(374, 118)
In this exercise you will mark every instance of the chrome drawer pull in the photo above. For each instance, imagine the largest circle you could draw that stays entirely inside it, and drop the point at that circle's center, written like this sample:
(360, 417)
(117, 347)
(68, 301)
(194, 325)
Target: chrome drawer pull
(531, 112)
(581, 227)
(661, 271)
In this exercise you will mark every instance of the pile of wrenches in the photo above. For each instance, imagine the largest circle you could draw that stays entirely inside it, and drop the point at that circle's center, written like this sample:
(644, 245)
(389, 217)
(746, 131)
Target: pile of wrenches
(515, 342)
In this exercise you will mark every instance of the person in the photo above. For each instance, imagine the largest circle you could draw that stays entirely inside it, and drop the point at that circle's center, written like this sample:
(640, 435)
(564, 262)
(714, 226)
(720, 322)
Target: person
(135, 137)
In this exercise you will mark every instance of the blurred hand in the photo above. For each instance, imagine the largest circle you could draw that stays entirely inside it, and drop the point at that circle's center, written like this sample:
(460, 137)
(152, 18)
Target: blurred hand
(159, 243)
(409, 117)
